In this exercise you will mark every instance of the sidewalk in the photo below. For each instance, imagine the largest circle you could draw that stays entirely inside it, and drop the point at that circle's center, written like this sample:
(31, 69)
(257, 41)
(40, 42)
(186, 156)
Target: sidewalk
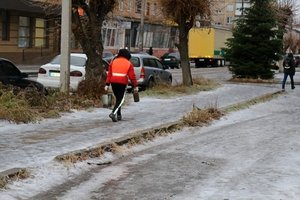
(31, 145)
(34, 145)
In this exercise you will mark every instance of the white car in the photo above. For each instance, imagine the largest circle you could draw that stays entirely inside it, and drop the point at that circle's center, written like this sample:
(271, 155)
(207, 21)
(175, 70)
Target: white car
(49, 74)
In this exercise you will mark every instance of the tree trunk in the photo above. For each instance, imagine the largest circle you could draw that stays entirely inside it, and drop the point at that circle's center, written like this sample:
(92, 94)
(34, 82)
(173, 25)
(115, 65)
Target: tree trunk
(89, 35)
(184, 55)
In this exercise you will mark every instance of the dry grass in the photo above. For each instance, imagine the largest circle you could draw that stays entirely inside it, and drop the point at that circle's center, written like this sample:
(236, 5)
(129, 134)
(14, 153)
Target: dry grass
(201, 117)
(20, 174)
(27, 106)
(15, 108)
(199, 84)
(71, 158)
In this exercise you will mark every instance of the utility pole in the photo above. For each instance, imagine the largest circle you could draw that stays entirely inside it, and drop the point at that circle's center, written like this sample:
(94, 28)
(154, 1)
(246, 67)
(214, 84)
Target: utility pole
(65, 46)
(141, 33)
(242, 7)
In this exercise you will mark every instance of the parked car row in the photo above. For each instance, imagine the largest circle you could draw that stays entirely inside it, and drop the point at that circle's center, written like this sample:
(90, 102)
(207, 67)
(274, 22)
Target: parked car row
(149, 70)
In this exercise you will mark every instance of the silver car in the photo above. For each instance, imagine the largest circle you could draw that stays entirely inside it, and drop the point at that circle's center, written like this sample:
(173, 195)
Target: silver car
(149, 70)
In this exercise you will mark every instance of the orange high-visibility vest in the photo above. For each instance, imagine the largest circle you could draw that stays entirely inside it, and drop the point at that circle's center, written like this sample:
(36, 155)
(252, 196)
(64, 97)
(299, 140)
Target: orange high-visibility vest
(120, 69)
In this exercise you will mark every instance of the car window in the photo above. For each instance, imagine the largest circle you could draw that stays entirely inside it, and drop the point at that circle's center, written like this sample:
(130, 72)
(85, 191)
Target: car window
(152, 63)
(8, 69)
(78, 61)
(135, 61)
(55, 60)
(146, 62)
(175, 54)
(159, 64)
(74, 60)
(106, 54)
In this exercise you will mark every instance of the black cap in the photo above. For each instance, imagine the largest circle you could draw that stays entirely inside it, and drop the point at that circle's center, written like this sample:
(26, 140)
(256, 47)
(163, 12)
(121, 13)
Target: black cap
(124, 53)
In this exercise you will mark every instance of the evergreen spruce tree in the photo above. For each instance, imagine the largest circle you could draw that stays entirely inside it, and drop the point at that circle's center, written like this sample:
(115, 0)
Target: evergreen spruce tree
(256, 42)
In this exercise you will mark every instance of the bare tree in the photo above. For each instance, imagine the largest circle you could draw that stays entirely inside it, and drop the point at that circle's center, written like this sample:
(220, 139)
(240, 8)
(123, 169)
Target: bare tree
(291, 41)
(184, 13)
(286, 10)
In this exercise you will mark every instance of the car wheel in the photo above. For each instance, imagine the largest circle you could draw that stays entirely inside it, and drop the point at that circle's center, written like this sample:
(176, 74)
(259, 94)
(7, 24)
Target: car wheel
(170, 81)
(151, 83)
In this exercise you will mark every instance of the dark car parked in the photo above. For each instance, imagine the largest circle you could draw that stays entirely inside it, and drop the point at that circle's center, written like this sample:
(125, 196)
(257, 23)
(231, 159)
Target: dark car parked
(171, 59)
(11, 75)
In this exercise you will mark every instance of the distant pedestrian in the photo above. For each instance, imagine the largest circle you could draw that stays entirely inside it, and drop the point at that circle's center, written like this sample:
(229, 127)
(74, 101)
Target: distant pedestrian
(150, 51)
(119, 70)
(288, 70)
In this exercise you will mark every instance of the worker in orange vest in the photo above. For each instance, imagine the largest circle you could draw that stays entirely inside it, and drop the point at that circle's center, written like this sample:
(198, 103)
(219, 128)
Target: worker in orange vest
(119, 70)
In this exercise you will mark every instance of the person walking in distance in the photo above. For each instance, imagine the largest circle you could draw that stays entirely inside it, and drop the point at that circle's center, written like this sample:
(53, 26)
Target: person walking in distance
(288, 70)
(150, 51)
(119, 70)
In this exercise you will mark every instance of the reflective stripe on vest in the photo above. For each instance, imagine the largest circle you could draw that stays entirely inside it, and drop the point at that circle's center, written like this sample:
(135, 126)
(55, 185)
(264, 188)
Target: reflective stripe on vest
(119, 74)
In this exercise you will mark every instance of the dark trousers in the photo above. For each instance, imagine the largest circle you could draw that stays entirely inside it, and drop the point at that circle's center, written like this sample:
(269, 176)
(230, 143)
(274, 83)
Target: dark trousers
(286, 74)
(119, 92)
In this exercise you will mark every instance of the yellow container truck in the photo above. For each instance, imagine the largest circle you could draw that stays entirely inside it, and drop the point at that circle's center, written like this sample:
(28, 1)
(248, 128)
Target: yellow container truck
(205, 46)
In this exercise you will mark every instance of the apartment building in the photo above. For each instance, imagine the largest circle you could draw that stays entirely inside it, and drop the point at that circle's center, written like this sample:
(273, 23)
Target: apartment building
(27, 34)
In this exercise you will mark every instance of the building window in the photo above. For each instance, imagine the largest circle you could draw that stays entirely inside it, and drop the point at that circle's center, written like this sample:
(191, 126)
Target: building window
(24, 32)
(121, 5)
(138, 6)
(229, 20)
(154, 36)
(148, 39)
(218, 11)
(5, 25)
(154, 9)
(129, 6)
(110, 37)
(230, 8)
(148, 9)
(40, 33)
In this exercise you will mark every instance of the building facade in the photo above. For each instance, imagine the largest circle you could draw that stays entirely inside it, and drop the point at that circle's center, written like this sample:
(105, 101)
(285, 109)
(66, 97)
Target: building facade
(27, 35)
(125, 24)
(135, 19)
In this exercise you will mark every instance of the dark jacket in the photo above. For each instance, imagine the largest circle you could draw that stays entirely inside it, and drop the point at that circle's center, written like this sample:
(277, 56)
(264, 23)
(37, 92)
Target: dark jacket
(289, 64)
